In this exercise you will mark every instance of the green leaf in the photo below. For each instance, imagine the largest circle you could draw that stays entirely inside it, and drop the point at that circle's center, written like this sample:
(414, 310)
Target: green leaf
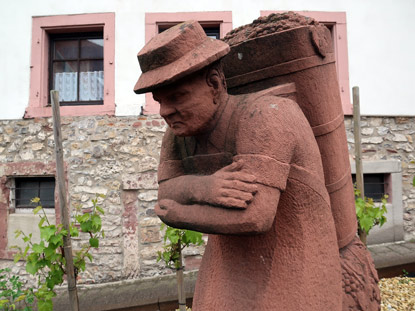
(80, 264)
(37, 209)
(20, 298)
(31, 267)
(35, 200)
(192, 237)
(47, 232)
(42, 220)
(17, 257)
(86, 226)
(50, 250)
(100, 209)
(64, 232)
(26, 250)
(166, 256)
(83, 218)
(366, 223)
(56, 239)
(173, 235)
(89, 256)
(38, 248)
(45, 305)
(94, 242)
(413, 181)
(74, 231)
(96, 222)
(17, 233)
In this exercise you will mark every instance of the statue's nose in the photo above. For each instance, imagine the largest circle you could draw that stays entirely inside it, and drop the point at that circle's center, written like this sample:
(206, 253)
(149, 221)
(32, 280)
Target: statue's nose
(166, 110)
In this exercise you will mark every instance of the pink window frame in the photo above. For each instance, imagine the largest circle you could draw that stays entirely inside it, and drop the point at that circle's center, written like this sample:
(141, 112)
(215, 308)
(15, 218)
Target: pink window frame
(338, 21)
(14, 170)
(41, 26)
(153, 20)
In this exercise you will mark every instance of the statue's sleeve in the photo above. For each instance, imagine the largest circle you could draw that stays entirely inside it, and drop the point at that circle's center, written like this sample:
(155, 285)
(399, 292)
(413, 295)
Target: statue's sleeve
(266, 139)
(170, 161)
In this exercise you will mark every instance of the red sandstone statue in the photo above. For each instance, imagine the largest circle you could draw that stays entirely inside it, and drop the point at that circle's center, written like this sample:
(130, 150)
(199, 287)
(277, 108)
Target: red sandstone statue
(247, 170)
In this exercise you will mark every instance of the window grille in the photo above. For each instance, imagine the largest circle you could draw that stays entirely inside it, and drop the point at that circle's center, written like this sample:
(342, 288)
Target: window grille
(375, 185)
(27, 188)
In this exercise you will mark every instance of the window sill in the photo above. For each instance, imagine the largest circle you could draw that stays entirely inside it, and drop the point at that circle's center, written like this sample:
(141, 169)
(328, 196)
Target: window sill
(84, 110)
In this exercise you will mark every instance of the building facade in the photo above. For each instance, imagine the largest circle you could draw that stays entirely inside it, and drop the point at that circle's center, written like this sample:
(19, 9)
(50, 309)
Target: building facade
(112, 137)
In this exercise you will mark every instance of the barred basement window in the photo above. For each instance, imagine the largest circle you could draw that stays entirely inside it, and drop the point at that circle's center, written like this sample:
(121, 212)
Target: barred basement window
(27, 188)
(375, 185)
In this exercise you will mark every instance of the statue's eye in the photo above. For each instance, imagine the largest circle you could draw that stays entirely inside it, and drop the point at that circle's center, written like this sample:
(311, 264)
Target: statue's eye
(177, 96)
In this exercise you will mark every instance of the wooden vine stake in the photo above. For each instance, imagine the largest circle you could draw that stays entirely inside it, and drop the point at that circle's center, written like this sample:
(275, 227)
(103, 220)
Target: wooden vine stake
(60, 175)
(180, 281)
(358, 151)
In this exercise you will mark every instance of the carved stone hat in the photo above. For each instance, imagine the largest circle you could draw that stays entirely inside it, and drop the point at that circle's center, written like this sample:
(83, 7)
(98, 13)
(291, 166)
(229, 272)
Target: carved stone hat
(175, 53)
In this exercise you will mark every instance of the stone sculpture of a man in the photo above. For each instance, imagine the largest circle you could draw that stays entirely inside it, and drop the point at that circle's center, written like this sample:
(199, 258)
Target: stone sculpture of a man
(246, 170)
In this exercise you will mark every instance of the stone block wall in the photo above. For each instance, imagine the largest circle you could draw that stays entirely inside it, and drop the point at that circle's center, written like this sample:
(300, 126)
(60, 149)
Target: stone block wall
(114, 156)
(118, 157)
(391, 138)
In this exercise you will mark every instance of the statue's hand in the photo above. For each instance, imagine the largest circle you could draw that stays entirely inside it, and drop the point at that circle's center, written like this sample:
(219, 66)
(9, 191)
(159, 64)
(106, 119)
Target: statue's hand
(229, 187)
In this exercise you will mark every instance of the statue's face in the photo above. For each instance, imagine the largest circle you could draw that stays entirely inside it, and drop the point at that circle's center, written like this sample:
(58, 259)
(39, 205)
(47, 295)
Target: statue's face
(187, 106)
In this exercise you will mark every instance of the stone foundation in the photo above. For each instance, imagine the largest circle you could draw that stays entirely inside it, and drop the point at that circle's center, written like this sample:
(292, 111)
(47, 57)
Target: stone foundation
(118, 157)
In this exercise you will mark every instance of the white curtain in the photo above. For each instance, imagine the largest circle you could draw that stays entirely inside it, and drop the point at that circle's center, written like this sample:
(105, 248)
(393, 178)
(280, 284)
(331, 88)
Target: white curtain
(91, 85)
(66, 84)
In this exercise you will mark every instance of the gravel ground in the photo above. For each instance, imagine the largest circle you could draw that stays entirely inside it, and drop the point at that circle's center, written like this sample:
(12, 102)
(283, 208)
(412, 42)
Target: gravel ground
(398, 294)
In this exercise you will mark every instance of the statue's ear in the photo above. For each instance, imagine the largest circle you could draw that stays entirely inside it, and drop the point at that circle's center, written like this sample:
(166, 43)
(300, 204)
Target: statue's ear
(213, 78)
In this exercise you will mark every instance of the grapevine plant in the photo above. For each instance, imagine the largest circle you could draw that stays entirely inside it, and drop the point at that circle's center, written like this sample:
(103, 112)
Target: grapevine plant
(12, 296)
(175, 240)
(369, 213)
(46, 259)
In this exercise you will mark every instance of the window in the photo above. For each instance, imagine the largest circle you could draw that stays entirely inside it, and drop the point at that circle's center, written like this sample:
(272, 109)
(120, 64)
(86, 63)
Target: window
(336, 23)
(76, 68)
(19, 183)
(215, 24)
(73, 53)
(211, 31)
(375, 185)
(27, 188)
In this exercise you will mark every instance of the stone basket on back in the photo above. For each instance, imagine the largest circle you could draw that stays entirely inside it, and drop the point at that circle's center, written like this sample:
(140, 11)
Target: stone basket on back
(290, 48)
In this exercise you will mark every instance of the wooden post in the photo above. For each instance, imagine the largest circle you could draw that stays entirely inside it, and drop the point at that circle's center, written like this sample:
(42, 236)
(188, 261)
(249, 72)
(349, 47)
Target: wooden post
(358, 151)
(180, 282)
(60, 174)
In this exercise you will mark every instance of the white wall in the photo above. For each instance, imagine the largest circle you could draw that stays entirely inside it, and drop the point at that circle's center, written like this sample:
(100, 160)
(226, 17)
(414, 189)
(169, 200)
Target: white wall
(380, 37)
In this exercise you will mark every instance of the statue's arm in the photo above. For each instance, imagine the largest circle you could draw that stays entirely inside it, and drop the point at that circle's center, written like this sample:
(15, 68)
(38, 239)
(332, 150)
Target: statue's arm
(257, 218)
(230, 187)
(223, 210)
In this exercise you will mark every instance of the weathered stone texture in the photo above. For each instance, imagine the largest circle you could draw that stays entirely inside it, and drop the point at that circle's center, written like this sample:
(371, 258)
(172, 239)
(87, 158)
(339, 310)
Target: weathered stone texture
(386, 138)
(118, 157)
(114, 156)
